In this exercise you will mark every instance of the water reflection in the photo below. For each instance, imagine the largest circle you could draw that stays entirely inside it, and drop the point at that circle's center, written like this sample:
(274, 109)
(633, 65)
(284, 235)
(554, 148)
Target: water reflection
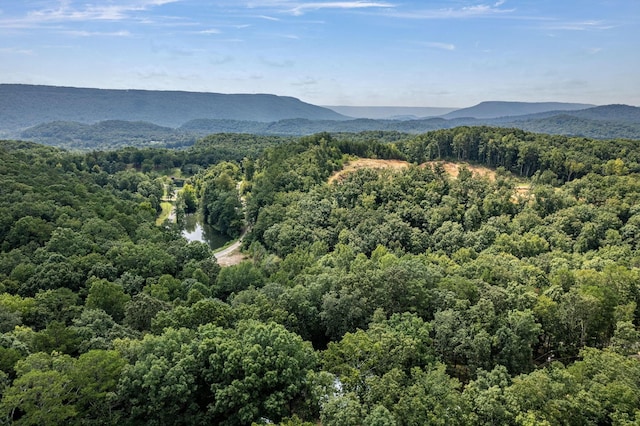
(195, 229)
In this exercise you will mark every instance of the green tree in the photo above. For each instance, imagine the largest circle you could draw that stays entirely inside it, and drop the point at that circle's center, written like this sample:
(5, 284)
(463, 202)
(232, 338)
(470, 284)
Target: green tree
(431, 398)
(42, 393)
(141, 309)
(236, 278)
(215, 375)
(400, 342)
(39, 398)
(486, 396)
(97, 330)
(343, 410)
(95, 377)
(260, 373)
(189, 196)
(108, 296)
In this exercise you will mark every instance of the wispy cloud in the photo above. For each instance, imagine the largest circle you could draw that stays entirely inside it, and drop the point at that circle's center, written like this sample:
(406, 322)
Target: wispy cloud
(68, 11)
(438, 45)
(210, 31)
(15, 51)
(302, 8)
(476, 11)
(97, 33)
(290, 36)
(578, 26)
(268, 18)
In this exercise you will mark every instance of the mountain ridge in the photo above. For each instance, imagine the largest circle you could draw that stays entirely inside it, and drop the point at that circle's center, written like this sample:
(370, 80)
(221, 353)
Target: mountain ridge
(23, 106)
(498, 109)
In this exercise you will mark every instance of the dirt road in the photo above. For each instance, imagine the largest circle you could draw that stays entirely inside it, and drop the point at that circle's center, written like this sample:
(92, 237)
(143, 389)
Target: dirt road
(230, 255)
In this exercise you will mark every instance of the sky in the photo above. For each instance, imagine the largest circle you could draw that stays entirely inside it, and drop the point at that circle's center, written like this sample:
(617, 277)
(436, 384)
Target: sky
(452, 53)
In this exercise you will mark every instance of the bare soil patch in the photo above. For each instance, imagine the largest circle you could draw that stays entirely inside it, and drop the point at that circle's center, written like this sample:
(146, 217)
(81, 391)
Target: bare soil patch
(367, 163)
(231, 255)
(231, 259)
(452, 169)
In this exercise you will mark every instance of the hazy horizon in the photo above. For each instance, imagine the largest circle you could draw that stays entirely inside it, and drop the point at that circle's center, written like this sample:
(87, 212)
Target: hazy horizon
(447, 54)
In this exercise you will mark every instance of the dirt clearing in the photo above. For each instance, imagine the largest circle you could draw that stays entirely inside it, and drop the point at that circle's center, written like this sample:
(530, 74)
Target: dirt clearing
(452, 169)
(368, 163)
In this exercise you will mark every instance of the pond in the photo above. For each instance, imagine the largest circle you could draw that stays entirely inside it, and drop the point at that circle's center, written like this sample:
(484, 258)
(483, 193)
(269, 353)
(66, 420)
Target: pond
(195, 229)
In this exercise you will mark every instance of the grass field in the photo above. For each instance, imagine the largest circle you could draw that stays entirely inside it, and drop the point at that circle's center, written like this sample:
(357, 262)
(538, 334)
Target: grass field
(165, 213)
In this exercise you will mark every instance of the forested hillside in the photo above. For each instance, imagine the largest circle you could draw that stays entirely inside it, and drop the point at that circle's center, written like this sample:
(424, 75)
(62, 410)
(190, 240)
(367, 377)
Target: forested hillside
(403, 296)
(23, 106)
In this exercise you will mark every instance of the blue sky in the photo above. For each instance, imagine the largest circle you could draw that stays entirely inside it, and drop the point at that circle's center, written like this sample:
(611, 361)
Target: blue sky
(451, 53)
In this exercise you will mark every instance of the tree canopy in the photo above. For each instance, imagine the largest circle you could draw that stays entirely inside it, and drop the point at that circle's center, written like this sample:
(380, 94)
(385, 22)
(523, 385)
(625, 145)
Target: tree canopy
(492, 279)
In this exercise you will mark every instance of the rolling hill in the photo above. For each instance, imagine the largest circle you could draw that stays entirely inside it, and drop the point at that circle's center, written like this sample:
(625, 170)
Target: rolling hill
(602, 122)
(110, 134)
(605, 122)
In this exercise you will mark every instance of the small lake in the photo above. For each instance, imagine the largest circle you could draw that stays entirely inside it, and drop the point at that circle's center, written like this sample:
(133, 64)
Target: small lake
(196, 230)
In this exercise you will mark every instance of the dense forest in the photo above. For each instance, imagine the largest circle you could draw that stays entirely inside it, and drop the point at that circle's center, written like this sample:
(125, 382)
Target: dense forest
(505, 293)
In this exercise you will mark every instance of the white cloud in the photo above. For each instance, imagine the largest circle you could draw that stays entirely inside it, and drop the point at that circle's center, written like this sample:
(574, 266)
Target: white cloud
(16, 51)
(480, 10)
(66, 11)
(579, 26)
(268, 18)
(210, 31)
(98, 33)
(437, 45)
(301, 8)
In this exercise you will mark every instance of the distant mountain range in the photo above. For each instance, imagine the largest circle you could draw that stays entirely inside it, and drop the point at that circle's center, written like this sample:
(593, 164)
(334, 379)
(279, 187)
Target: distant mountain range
(497, 109)
(602, 122)
(23, 106)
(102, 119)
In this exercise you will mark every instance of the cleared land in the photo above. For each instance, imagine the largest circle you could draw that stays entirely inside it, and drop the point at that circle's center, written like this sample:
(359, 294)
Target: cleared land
(231, 255)
(367, 163)
(452, 169)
